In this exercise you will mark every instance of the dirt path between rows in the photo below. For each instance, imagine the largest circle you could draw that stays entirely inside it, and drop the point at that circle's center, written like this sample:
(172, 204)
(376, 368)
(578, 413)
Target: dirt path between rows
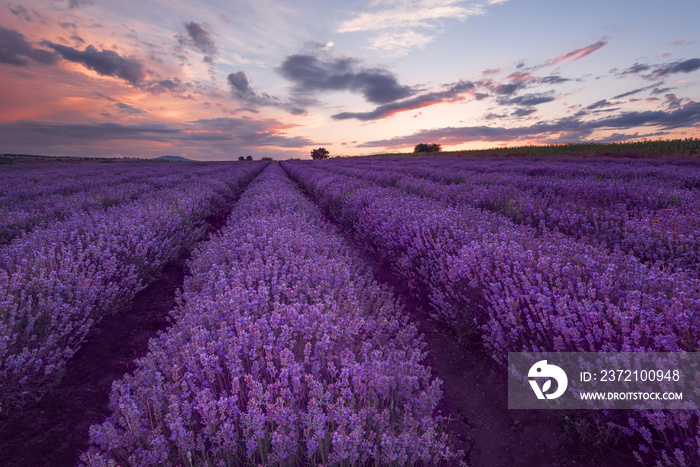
(475, 394)
(55, 430)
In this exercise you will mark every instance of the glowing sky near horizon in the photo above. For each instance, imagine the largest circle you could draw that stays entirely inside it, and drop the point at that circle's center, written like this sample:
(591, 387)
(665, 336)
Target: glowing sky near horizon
(216, 79)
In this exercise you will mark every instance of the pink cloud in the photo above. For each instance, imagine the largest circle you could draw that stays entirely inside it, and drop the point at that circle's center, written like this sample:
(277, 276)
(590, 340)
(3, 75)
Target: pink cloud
(580, 53)
(521, 77)
(490, 71)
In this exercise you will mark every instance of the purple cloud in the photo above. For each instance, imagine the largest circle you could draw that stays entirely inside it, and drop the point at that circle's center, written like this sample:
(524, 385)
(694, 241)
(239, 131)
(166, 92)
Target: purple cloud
(199, 39)
(570, 127)
(15, 50)
(104, 62)
(311, 74)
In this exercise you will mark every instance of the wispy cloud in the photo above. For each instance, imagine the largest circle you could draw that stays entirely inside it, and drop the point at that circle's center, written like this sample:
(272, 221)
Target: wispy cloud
(455, 92)
(244, 92)
(129, 109)
(237, 132)
(20, 12)
(72, 4)
(529, 100)
(402, 25)
(637, 91)
(683, 66)
(655, 71)
(583, 52)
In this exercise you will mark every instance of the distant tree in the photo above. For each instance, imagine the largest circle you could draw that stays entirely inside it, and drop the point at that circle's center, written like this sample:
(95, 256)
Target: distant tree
(266, 158)
(423, 147)
(320, 153)
(241, 158)
(249, 158)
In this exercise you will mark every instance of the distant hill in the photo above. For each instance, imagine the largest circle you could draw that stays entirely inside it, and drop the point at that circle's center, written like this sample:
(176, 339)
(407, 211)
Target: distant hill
(173, 159)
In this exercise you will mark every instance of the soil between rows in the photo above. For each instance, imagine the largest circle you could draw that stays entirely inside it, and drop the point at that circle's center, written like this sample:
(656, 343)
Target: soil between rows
(55, 430)
(475, 393)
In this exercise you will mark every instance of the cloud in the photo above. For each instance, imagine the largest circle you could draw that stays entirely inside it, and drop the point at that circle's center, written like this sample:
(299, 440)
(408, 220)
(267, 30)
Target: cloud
(15, 50)
(673, 101)
(649, 71)
(313, 47)
(214, 133)
(600, 104)
(528, 99)
(637, 68)
(507, 89)
(505, 92)
(520, 81)
(402, 25)
(311, 74)
(523, 112)
(128, 109)
(552, 79)
(248, 132)
(174, 85)
(104, 62)
(398, 43)
(239, 84)
(78, 3)
(407, 14)
(199, 39)
(683, 66)
(455, 92)
(56, 133)
(242, 91)
(569, 128)
(21, 12)
(491, 71)
(637, 91)
(578, 54)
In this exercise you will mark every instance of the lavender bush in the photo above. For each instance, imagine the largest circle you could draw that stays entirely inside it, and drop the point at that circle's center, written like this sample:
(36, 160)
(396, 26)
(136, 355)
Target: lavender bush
(652, 217)
(522, 288)
(284, 351)
(57, 282)
(35, 198)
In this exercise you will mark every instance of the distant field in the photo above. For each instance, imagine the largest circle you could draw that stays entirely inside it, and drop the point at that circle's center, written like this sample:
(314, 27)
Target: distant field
(290, 344)
(689, 147)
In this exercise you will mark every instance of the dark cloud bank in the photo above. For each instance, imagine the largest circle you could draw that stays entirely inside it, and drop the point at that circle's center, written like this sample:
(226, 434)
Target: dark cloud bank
(571, 127)
(104, 62)
(219, 131)
(15, 50)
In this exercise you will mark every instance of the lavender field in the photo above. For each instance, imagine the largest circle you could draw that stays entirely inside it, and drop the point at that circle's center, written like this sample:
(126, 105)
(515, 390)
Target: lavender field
(286, 346)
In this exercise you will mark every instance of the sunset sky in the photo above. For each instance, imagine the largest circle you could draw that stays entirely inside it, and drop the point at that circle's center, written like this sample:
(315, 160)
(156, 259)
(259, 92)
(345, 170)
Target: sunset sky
(216, 79)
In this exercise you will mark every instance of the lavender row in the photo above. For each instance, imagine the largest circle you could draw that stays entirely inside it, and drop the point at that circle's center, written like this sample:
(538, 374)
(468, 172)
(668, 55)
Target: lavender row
(57, 282)
(284, 351)
(676, 173)
(40, 196)
(27, 183)
(658, 225)
(647, 192)
(521, 290)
